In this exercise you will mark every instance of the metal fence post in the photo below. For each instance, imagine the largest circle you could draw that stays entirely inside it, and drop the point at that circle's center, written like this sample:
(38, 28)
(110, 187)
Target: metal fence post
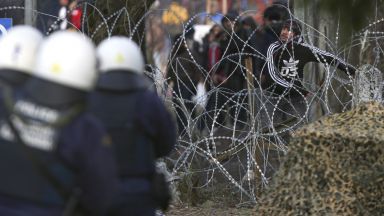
(29, 12)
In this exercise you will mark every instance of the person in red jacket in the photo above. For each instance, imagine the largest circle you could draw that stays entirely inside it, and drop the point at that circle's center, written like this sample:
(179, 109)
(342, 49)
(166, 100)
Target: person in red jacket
(214, 55)
(75, 16)
(217, 75)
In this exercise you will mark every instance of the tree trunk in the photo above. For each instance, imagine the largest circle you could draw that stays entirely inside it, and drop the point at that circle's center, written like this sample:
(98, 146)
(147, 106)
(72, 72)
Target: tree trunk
(129, 23)
(332, 30)
(321, 34)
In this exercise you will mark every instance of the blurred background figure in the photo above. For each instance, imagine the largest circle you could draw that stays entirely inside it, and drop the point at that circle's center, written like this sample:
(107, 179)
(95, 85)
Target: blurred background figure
(214, 55)
(75, 15)
(141, 128)
(17, 55)
(55, 159)
(249, 35)
(183, 75)
(216, 75)
(70, 16)
(248, 23)
(233, 46)
(63, 13)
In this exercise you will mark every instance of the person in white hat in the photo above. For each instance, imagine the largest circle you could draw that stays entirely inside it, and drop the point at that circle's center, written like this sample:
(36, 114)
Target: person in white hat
(53, 156)
(18, 55)
(138, 122)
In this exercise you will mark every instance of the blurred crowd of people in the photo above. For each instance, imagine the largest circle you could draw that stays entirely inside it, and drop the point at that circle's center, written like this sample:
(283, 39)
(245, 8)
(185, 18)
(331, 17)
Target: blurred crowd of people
(69, 16)
(242, 66)
(222, 57)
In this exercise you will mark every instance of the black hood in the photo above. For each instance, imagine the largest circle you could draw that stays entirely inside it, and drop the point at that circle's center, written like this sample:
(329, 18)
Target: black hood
(52, 94)
(120, 80)
(274, 28)
(13, 77)
(293, 25)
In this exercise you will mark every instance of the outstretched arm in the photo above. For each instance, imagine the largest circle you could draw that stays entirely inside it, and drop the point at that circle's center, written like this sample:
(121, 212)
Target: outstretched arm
(317, 55)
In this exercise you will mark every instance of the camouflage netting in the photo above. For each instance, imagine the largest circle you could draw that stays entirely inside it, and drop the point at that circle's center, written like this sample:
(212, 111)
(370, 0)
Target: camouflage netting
(334, 167)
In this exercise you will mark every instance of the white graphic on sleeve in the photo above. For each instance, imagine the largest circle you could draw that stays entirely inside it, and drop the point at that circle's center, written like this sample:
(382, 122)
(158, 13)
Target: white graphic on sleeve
(271, 66)
(290, 68)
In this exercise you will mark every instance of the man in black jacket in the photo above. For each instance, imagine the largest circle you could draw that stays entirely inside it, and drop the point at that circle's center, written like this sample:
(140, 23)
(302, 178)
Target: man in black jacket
(233, 45)
(284, 72)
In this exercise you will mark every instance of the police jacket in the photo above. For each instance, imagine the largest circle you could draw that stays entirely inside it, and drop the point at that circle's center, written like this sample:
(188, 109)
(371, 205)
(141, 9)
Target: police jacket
(139, 124)
(286, 61)
(75, 150)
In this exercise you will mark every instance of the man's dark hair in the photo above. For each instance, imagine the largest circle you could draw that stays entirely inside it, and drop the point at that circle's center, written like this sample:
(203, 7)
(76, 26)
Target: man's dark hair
(230, 16)
(276, 12)
(248, 20)
(281, 2)
(293, 25)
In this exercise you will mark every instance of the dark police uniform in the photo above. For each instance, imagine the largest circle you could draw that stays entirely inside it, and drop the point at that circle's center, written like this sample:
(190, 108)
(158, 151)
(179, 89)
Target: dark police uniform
(141, 129)
(71, 144)
(12, 78)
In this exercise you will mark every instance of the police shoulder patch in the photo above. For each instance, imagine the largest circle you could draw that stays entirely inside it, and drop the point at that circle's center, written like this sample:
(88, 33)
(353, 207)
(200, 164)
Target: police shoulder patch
(106, 141)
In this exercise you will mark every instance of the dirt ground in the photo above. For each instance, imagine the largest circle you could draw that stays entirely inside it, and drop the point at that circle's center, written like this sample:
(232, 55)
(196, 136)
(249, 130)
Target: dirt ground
(208, 209)
(220, 197)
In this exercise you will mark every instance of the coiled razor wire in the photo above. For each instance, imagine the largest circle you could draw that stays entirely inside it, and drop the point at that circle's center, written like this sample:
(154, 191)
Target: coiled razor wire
(256, 148)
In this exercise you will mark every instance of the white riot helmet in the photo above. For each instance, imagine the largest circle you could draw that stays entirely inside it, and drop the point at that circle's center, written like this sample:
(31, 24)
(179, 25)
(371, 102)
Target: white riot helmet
(69, 59)
(18, 49)
(120, 53)
(121, 65)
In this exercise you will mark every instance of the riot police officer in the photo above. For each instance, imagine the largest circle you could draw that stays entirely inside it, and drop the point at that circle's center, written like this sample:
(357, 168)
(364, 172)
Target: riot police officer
(17, 51)
(53, 156)
(138, 122)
